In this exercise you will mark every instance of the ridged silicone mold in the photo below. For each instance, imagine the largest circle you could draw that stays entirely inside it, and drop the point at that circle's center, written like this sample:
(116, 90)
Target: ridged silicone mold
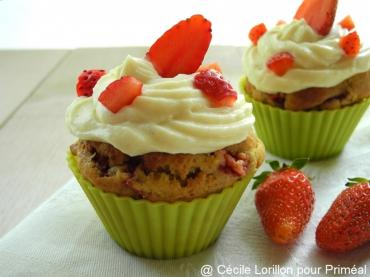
(162, 230)
(313, 134)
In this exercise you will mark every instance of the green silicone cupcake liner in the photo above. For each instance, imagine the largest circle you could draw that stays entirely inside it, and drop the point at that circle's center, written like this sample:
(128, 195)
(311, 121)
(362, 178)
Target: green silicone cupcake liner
(158, 229)
(313, 134)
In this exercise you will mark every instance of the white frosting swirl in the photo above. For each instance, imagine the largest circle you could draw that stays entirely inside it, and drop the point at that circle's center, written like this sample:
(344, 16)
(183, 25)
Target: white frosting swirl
(170, 116)
(319, 61)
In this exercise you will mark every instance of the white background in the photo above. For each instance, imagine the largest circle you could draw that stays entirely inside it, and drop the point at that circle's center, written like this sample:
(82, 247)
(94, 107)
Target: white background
(92, 23)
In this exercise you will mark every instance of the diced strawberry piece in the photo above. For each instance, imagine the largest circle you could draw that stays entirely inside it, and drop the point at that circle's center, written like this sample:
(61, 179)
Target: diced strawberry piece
(237, 165)
(120, 93)
(225, 101)
(347, 23)
(87, 80)
(217, 90)
(280, 63)
(214, 66)
(181, 49)
(350, 44)
(257, 32)
(319, 14)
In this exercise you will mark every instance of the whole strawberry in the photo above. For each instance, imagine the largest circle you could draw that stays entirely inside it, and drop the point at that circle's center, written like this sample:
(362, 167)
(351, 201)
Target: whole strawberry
(284, 200)
(347, 223)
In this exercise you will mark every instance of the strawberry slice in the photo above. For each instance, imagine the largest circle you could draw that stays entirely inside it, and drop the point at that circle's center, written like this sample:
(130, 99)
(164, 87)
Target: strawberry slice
(257, 32)
(217, 90)
(280, 63)
(87, 80)
(214, 66)
(347, 23)
(319, 14)
(120, 93)
(350, 44)
(181, 49)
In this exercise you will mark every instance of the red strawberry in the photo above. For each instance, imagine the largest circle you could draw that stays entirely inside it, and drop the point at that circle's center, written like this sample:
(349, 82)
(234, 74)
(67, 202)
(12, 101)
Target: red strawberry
(347, 23)
(256, 32)
(346, 225)
(120, 93)
(87, 80)
(218, 91)
(350, 44)
(284, 201)
(280, 63)
(319, 14)
(214, 66)
(181, 49)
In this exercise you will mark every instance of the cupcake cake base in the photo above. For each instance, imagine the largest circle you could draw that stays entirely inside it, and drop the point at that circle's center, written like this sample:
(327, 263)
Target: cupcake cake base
(158, 229)
(313, 134)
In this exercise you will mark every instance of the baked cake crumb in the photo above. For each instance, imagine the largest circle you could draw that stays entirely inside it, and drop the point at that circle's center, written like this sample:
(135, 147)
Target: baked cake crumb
(166, 177)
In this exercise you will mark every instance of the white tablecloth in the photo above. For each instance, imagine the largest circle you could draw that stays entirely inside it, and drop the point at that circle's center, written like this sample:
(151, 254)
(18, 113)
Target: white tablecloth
(64, 237)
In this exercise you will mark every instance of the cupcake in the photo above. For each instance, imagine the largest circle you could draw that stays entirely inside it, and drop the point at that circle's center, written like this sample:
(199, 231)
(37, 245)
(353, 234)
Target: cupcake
(309, 82)
(165, 146)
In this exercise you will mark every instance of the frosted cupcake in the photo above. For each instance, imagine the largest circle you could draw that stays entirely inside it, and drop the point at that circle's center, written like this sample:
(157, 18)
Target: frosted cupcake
(166, 147)
(309, 82)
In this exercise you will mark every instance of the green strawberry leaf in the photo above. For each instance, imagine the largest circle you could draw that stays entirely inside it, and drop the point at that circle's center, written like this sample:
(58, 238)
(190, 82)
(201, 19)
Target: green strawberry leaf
(299, 163)
(355, 181)
(260, 178)
(275, 165)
